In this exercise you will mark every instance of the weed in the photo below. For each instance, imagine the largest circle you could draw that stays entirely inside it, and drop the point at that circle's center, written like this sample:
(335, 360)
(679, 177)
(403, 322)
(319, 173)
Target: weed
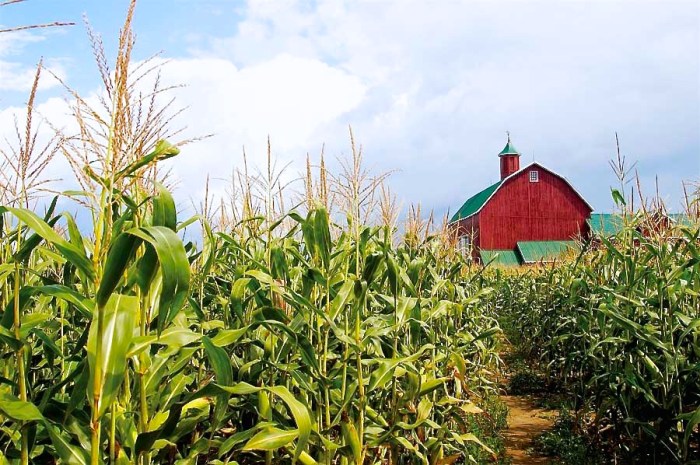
(567, 443)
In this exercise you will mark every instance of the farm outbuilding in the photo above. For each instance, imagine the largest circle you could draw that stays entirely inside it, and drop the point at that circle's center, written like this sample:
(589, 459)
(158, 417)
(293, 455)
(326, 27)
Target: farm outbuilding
(610, 224)
(531, 214)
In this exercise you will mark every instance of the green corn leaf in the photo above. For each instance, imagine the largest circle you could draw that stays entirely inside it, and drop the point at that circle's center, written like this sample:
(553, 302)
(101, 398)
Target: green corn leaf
(301, 415)
(404, 308)
(177, 337)
(489, 333)
(299, 411)
(69, 453)
(392, 270)
(175, 270)
(6, 269)
(120, 314)
(234, 440)
(120, 254)
(32, 242)
(191, 220)
(279, 266)
(322, 236)
(162, 151)
(26, 294)
(35, 239)
(48, 343)
(139, 344)
(271, 439)
(7, 320)
(31, 321)
(145, 270)
(84, 305)
(618, 197)
(372, 266)
(74, 255)
(164, 212)
(220, 362)
(76, 238)
(77, 396)
(227, 337)
(382, 374)
(342, 298)
(430, 385)
(174, 338)
(144, 441)
(7, 337)
(19, 410)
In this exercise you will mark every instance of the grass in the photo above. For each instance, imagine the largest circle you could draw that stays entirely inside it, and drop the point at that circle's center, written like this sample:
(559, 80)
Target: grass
(566, 443)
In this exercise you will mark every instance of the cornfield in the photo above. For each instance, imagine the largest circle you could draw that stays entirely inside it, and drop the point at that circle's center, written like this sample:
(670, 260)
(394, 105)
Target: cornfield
(306, 335)
(284, 337)
(619, 327)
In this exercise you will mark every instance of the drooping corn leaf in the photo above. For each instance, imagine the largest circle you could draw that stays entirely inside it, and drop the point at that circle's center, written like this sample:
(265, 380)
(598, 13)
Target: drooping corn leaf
(175, 270)
(70, 454)
(19, 410)
(164, 212)
(43, 229)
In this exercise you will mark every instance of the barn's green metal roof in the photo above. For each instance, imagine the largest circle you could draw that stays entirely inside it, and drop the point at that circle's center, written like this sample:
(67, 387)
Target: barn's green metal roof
(543, 251)
(509, 149)
(475, 202)
(605, 224)
(681, 219)
(609, 224)
(499, 257)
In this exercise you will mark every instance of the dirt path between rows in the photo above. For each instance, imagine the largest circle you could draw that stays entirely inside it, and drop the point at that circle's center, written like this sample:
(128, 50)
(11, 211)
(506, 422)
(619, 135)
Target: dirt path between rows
(525, 423)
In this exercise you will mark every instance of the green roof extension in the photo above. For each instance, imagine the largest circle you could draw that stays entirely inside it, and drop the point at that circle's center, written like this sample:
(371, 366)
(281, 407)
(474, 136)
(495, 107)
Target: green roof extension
(475, 202)
(605, 224)
(681, 219)
(499, 257)
(543, 251)
(610, 224)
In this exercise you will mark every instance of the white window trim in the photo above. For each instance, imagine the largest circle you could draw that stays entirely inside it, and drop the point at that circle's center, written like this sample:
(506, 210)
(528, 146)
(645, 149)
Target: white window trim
(534, 176)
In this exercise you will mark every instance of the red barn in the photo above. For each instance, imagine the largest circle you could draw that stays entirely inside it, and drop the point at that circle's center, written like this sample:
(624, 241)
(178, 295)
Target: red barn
(530, 215)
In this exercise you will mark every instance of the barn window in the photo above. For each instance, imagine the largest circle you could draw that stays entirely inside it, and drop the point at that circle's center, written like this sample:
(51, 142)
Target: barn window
(464, 245)
(534, 176)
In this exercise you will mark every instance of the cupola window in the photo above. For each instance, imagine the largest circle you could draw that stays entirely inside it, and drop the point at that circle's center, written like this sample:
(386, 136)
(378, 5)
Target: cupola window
(534, 176)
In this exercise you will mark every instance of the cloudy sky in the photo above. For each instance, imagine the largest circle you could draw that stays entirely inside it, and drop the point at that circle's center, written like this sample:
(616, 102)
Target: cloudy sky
(430, 88)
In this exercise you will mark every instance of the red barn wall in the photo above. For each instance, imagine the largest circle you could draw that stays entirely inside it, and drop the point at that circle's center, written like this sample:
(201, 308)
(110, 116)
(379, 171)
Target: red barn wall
(521, 210)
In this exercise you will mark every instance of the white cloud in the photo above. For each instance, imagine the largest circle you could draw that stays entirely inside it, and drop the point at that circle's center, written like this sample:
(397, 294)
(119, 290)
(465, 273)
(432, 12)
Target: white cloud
(15, 74)
(288, 98)
(445, 80)
(431, 87)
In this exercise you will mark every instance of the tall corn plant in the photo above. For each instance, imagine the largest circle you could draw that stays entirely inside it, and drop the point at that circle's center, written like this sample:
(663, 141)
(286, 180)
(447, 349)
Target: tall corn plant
(619, 327)
(345, 320)
(103, 281)
(298, 340)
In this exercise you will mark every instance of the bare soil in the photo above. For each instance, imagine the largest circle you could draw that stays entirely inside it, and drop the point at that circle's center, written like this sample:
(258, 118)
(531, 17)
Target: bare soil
(525, 423)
